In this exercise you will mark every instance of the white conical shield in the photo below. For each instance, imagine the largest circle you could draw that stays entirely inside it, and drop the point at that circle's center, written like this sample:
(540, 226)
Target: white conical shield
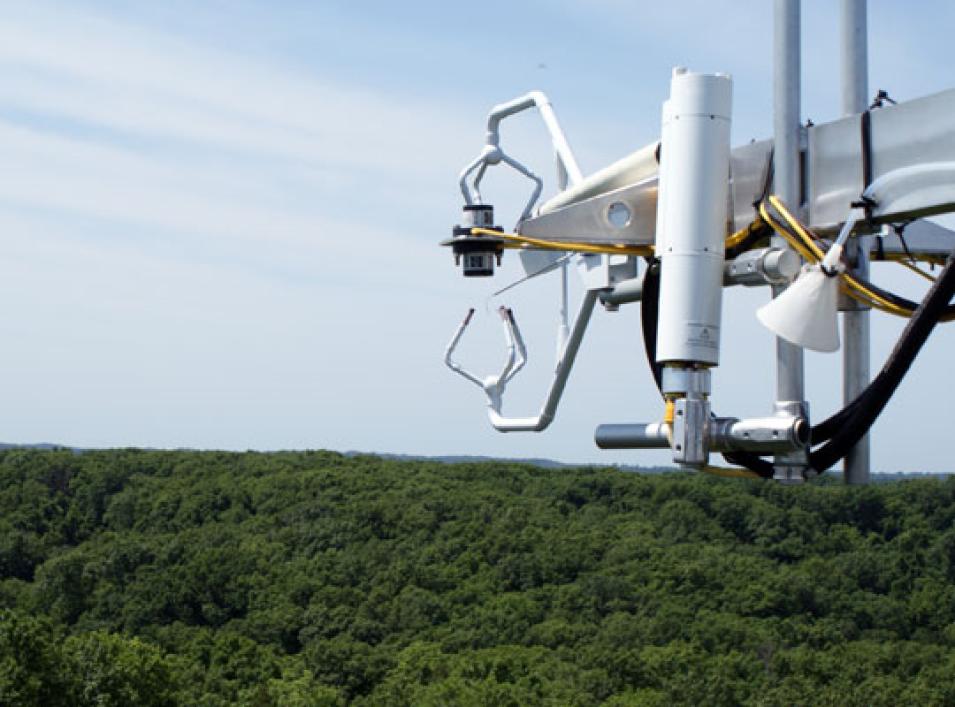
(805, 314)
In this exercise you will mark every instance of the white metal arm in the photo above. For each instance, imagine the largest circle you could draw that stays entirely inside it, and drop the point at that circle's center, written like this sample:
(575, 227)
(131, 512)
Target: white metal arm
(492, 154)
(536, 98)
(516, 354)
(494, 386)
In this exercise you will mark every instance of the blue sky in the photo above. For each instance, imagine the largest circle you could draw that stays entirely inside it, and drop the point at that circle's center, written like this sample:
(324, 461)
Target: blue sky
(219, 219)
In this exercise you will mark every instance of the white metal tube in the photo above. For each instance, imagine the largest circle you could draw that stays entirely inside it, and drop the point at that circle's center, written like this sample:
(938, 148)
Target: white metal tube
(692, 216)
(546, 415)
(636, 167)
(654, 435)
(559, 140)
(563, 323)
(855, 57)
(510, 342)
(790, 372)
(790, 385)
(855, 322)
(453, 344)
(517, 341)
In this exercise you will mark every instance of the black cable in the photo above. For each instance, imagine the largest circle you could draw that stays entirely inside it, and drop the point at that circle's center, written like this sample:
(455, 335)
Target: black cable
(900, 232)
(825, 430)
(649, 318)
(841, 431)
(866, 140)
(867, 407)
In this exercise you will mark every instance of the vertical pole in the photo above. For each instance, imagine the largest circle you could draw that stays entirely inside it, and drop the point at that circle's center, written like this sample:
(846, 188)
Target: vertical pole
(855, 323)
(563, 324)
(790, 393)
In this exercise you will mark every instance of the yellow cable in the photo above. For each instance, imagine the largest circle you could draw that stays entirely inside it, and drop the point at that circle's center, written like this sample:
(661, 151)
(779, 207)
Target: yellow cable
(811, 252)
(796, 244)
(613, 249)
(730, 472)
(738, 237)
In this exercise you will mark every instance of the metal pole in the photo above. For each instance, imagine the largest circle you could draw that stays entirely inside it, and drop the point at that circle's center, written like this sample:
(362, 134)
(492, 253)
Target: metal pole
(790, 393)
(855, 323)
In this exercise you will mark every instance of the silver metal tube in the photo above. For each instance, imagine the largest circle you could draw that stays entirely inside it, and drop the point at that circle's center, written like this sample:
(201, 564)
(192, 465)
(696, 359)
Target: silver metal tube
(855, 57)
(855, 323)
(635, 436)
(790, 386)
(778, 434)
(762, 434)
(563, 324)
(624, 292)
(546, 415)
(536, 98)
(633, 168)
(762, 267)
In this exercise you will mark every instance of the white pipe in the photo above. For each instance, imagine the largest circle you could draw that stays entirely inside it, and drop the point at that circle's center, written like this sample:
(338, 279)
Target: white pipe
(546, 415)
(855, 322)
(563, 322)
(516, 348)
(478, 161)
(536, 98)
(636, 167)
(790, 382)
(453, 365)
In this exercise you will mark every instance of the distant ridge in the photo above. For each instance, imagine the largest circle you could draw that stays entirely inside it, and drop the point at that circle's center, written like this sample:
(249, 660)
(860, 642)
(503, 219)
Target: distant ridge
(38, 445)
(878, 477)
(533, 461)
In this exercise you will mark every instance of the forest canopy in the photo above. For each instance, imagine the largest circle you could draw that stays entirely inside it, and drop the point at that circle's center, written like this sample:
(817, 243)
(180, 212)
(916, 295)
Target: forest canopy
(312, 578)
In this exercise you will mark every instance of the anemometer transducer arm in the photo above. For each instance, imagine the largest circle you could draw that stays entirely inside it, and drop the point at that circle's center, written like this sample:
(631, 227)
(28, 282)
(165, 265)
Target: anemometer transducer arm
(494, 385)
(492, 154)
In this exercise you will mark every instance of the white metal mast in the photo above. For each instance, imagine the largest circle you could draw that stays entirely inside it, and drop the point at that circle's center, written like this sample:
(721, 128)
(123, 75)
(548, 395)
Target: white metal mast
(790, 388)
(855, 354)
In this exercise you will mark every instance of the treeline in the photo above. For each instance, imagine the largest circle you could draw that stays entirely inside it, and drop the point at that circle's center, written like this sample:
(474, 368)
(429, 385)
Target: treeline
(188, 578)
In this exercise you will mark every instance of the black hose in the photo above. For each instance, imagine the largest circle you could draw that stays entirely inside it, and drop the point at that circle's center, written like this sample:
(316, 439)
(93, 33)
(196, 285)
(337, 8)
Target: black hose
(843, 430)
(867, 407)
(825, 430)
(650, 317)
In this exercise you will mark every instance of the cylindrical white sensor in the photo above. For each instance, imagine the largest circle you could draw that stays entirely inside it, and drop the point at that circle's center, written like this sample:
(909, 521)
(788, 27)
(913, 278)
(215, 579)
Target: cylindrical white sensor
(692, 216)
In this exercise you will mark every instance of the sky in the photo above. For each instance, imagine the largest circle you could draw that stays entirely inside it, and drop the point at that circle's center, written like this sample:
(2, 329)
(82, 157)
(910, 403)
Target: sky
(219, 220)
